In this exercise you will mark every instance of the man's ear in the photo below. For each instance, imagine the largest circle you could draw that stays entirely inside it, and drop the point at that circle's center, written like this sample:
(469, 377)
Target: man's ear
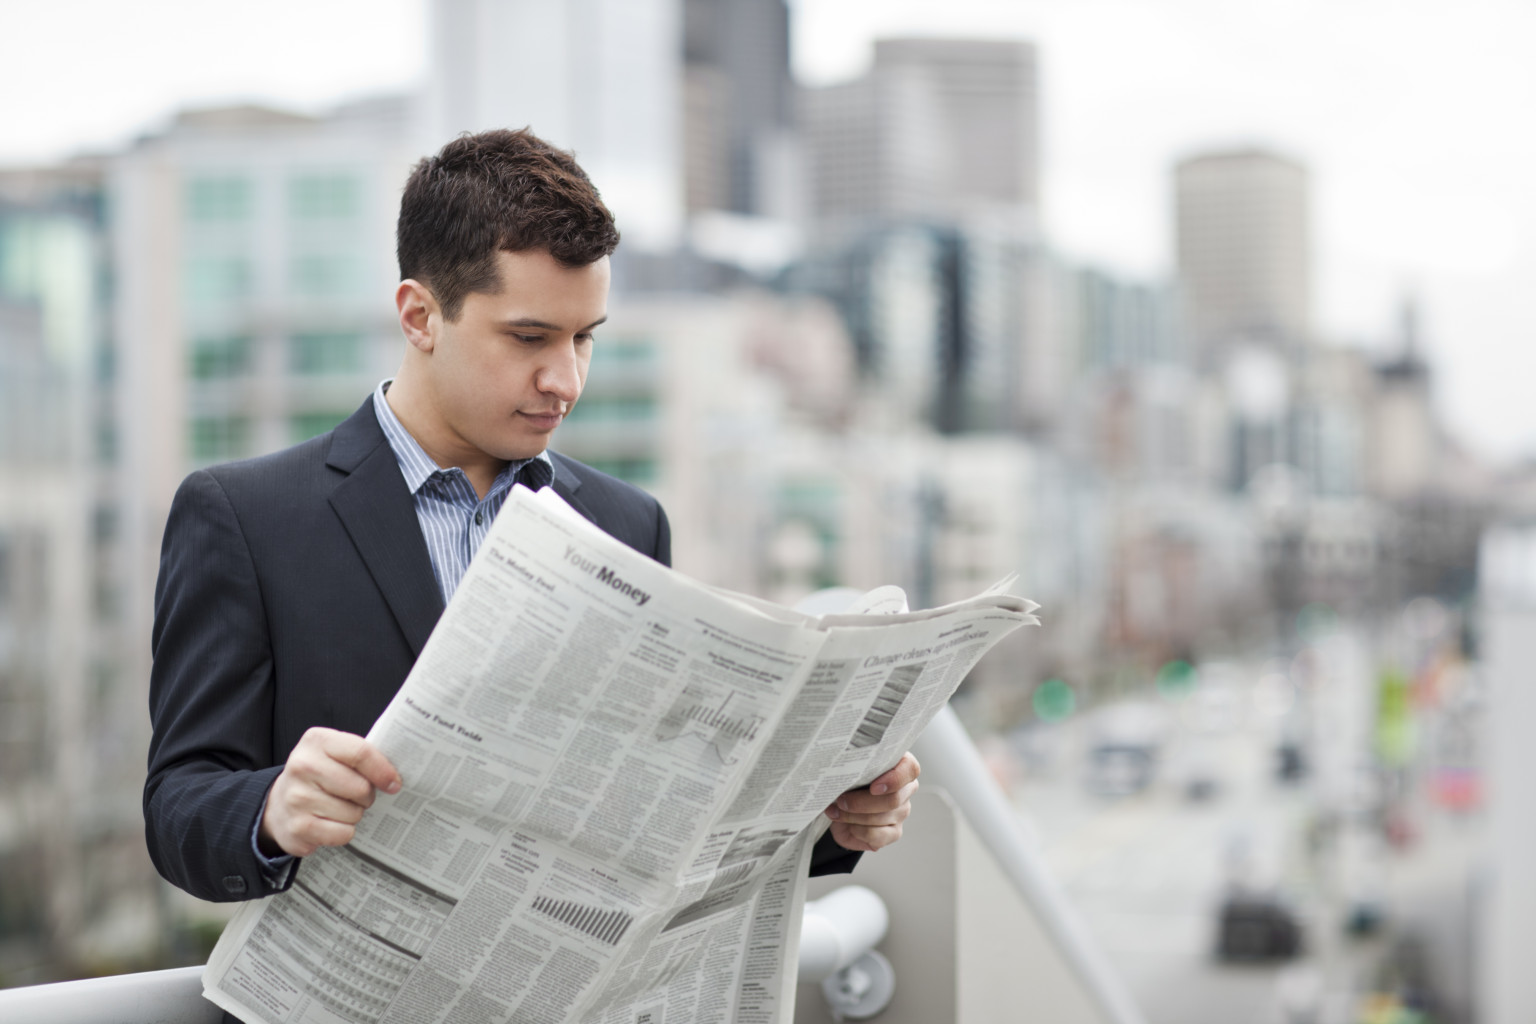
(419, 314)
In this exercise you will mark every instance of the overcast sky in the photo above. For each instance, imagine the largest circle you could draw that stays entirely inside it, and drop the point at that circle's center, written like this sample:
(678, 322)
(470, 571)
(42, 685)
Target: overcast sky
(1414, 117)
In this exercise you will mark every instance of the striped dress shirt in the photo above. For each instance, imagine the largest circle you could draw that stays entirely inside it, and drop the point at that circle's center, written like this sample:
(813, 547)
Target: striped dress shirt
(454, 519)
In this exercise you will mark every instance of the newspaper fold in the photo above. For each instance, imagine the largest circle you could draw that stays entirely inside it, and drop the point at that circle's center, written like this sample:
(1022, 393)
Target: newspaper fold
(613, 778)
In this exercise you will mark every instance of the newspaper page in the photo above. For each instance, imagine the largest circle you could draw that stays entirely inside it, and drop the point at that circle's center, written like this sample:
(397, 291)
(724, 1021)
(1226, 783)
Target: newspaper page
(613, 779)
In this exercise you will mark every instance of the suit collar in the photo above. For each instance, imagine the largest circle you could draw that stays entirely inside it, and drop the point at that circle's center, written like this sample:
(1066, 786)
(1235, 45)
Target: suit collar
(356, 438)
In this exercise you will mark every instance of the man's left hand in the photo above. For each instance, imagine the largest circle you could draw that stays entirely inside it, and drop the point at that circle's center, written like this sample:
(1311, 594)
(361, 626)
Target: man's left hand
(869, 819)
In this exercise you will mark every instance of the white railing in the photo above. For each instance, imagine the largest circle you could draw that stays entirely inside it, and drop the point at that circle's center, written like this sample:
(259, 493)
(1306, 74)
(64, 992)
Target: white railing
(840, 929)
(951, 762)
(154, 997)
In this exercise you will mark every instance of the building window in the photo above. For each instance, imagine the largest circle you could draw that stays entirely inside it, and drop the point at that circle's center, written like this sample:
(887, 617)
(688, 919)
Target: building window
(322, 352)
(105, 432)
(320, 276)
(310, 424)
(215, 279)
(641, 472)
(214, 358)
(215, 438)
(623, 351)
(104, 523)
(614, 409)
(218, 199)
(324, 197)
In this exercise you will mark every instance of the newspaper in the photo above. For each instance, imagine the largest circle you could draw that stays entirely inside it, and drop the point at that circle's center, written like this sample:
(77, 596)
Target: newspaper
(613, 779)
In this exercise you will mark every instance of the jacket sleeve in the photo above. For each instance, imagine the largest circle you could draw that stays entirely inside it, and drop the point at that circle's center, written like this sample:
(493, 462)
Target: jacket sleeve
(210, 701)
(827, 858)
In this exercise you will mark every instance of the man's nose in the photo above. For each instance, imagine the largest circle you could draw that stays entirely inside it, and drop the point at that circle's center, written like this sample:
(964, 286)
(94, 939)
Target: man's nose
(561, 374)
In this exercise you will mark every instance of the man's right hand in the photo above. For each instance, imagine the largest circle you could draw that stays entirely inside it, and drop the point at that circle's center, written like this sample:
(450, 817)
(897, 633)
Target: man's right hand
(327, 783)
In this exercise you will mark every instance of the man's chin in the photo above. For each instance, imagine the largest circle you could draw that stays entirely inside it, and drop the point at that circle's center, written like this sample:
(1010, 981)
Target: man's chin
(524, 449)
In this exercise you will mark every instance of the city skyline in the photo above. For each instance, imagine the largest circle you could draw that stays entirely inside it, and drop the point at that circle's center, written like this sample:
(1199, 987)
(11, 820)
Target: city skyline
(1403, 115)
(932, 393)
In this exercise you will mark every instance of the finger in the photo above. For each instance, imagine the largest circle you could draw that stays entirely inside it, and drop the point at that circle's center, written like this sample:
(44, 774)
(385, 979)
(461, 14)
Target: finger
(295, 795)
(906, 770)
(309, 834)
(320, 764)
(317, 803)
(842, 837)
(861, 801)
(878, 839)
(887, 786)
(362, 757)
(895, 816)
(312, 773)
(291, 824)
(864, 839)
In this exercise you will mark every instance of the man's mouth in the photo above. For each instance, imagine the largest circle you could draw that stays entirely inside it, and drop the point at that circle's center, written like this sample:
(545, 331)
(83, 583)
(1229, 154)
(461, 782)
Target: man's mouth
(549, 419)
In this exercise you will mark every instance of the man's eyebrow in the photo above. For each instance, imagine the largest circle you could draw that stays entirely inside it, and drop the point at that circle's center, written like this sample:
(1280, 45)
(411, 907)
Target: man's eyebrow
(528, 321)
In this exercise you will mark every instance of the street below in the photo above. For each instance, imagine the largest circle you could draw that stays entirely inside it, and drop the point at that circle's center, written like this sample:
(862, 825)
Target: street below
(1378, 886)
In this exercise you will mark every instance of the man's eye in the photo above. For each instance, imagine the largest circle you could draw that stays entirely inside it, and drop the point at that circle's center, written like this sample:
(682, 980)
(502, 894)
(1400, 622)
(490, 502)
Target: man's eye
(529, 339)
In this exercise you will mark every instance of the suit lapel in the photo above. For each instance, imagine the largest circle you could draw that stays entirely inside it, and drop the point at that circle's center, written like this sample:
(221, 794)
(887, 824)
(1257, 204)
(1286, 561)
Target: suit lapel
(567, 483)
(376, 509)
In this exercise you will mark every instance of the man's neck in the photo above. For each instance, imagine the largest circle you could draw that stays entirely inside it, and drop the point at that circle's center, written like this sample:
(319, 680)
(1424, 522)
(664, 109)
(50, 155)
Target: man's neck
(480, 468)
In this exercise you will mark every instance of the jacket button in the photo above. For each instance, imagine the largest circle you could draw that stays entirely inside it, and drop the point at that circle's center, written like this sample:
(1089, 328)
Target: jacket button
(234, 885)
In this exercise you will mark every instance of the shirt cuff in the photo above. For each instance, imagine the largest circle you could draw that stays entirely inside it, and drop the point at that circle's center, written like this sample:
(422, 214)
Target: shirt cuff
(276, 872)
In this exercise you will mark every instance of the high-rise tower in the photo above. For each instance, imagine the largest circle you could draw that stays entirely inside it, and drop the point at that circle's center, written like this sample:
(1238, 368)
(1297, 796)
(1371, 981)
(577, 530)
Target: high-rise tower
(599, 77)
(739, 106)
(939, 128)
(923, 184)
(1244, 249)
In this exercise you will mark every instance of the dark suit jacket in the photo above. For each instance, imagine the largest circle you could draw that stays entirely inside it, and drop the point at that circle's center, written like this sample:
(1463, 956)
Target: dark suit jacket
(296, 590)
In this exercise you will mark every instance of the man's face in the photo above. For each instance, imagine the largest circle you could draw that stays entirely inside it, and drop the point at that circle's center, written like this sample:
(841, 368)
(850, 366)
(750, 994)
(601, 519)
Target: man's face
(507, 371)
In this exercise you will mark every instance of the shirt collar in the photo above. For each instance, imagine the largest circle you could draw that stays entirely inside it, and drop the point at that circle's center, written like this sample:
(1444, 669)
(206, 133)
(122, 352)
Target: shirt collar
(415, 464)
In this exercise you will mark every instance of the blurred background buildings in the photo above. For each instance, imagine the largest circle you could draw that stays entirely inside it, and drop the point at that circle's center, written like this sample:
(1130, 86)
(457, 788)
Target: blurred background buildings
(842, 351)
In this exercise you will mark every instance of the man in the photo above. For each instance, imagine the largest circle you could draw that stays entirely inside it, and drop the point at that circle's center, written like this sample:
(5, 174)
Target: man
(297, 589)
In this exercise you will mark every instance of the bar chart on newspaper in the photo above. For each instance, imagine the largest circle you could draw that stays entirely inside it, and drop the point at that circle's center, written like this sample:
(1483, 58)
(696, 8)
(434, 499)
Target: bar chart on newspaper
(711, 723)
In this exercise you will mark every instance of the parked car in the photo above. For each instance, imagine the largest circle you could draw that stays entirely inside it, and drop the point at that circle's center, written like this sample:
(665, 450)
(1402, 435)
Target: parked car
(1125, 742)
(1290, 761)
(1201, 787)
(1121, 769)
(1193, 768)
(1254, 927)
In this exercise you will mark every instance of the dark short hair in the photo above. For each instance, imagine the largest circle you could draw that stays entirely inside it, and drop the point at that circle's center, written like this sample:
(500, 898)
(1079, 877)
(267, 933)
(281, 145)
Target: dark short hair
(496, 191)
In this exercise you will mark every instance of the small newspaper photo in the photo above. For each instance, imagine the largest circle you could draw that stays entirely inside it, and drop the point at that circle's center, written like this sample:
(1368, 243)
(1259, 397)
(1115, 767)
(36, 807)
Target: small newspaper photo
(613, 779)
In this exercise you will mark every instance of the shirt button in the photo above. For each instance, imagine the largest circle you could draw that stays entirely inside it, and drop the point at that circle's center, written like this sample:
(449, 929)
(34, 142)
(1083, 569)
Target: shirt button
(479, 518)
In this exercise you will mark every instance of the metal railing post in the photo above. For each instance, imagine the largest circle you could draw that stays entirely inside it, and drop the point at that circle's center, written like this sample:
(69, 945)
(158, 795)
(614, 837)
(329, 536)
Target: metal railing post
(950, 760)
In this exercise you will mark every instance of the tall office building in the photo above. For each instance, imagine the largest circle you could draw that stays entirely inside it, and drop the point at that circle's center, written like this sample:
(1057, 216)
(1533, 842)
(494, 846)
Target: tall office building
(602, 78)
(740, 153)
(1404, 437)
(1244, 250)
(939, 316)
(923, 186)
(74, 892)
(937, 129)
(253, 262)
(254, 252)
